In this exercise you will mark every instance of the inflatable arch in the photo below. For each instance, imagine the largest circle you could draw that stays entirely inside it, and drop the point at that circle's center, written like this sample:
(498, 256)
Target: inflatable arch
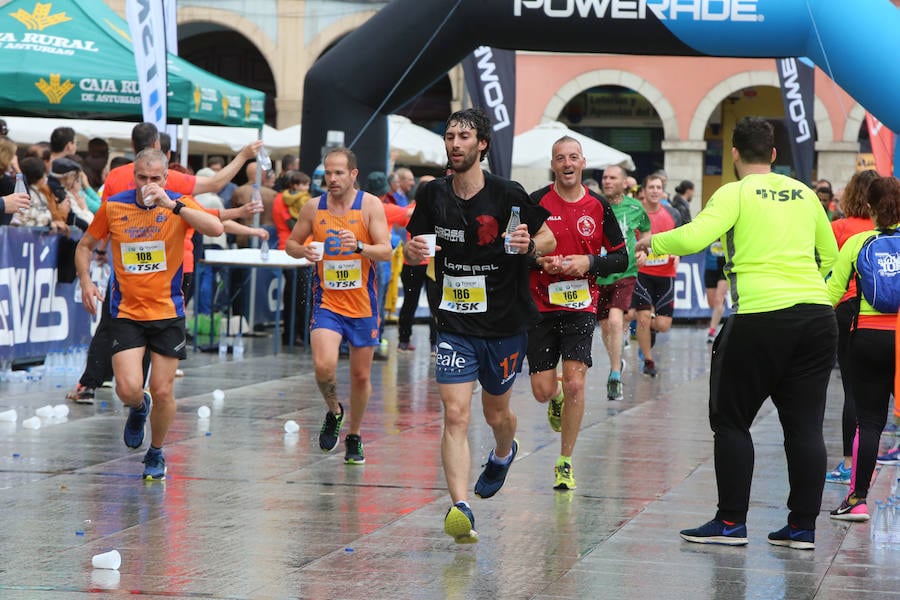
(375, 70)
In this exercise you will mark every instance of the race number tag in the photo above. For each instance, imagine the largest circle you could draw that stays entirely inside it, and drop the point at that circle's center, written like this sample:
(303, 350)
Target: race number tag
(464, 294)
(656, 260)
(571, 294)
(144, 257)
(343, 274)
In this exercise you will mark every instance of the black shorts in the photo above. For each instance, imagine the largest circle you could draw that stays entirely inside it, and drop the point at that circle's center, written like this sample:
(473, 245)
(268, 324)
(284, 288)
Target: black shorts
(560, 333)
(164, 337)
(712, 278)
(654, 293)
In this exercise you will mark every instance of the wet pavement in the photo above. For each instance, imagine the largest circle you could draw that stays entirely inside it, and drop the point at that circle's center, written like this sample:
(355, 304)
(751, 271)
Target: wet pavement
(248, 511)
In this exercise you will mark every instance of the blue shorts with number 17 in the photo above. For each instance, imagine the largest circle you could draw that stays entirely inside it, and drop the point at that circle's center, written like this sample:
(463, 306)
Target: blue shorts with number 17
(493, 361)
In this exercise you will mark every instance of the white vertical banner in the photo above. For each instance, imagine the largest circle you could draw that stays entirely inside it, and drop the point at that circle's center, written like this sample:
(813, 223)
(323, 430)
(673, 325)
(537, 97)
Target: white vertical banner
(171, 21)
(148, 36)
(169, 16)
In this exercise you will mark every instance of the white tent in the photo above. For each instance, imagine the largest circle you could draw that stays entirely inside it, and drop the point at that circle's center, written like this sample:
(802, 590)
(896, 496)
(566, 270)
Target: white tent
(532, 148)
(410, 144)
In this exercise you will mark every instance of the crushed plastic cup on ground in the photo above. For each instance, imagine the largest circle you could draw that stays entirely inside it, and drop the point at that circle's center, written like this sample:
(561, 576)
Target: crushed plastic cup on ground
(44, 411)
(291, 426)
(32, 423)
(203, 412)
(10, 416)
(107, 560)
(105, 579)
(60, 410)
(218, 395)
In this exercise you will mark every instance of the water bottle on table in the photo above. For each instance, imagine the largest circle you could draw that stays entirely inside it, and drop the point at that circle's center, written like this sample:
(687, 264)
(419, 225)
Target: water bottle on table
(239, 347)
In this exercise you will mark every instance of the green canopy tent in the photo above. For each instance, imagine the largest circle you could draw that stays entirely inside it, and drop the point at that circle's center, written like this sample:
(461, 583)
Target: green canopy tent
(74, 58)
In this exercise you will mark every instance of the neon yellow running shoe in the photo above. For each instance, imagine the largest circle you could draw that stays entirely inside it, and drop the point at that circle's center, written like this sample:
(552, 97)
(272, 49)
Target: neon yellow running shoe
(460, 524)
(554, 412)
(565, 477)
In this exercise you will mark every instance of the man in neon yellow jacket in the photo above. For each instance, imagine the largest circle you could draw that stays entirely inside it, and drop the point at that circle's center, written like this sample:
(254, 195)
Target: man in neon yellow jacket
(780, 343)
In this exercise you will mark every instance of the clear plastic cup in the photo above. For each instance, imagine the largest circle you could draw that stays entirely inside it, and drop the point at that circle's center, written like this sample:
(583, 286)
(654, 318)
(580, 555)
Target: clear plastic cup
(319, 249)
(431, 240)
(107, 560)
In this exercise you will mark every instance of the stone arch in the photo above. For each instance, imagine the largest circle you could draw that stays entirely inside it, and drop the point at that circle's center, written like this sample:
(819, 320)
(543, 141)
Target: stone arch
(331, 34)
(824, 129)
(234, 22)
(855, 119)
(585, 81)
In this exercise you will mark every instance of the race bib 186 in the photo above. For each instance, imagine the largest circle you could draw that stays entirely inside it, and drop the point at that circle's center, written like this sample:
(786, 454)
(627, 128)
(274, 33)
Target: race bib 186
(464, 294)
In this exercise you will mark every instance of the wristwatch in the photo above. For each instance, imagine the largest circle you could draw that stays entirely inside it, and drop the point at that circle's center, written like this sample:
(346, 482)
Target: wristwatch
(178, 206)
(359, 247)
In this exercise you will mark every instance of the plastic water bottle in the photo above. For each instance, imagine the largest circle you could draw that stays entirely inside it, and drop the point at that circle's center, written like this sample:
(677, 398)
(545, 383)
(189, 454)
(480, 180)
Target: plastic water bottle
(514, 221)
(878, 525)
(20, 184)
(263, 159)
(264, 250)
(256, 197)
(20, 188)
(223, 346)
(894, 518)
(239, 347)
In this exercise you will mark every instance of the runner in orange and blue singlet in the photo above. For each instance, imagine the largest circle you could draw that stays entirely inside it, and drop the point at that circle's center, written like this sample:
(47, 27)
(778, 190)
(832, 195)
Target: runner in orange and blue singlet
(353, 229)
(146, 228)
(344, 280)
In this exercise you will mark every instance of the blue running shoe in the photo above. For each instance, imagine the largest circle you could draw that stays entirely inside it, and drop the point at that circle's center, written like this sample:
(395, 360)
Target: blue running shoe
(460, 524)
(491, 479)
(717, 532)
(154, 465)
(793, 537)
(841, 474)
(134, 425)
(355, 454)
(331, 430)
(891, 457)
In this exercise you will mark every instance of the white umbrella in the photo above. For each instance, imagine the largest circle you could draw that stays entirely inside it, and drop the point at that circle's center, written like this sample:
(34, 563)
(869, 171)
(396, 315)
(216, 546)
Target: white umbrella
(411, 144)
(532, 148)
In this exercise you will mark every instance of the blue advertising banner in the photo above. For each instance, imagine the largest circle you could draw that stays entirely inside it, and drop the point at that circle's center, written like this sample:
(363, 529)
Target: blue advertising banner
(37, 314)
(690, 289)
